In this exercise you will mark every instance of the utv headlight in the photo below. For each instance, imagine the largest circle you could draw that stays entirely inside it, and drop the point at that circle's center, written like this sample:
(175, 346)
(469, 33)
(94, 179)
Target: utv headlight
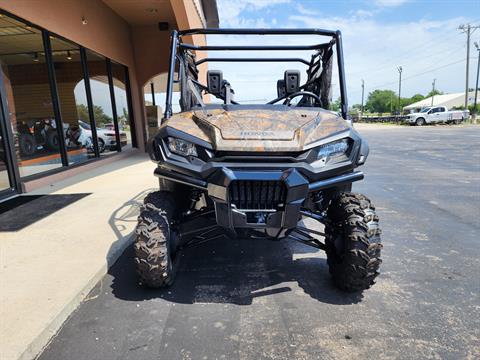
(331, 150)
(181, 147)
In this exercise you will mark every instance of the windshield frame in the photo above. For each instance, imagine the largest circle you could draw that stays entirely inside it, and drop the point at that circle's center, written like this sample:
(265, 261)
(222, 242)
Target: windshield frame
(178, 47)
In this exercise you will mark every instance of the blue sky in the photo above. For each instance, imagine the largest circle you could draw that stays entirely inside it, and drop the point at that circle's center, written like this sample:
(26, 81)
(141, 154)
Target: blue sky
(378, 35)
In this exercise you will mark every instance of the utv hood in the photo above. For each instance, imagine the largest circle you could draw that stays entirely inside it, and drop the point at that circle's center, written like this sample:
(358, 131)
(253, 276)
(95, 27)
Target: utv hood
(244, 128)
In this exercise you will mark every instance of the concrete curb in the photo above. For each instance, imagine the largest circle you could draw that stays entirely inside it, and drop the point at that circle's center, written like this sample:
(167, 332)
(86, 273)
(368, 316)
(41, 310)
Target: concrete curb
(36, 347)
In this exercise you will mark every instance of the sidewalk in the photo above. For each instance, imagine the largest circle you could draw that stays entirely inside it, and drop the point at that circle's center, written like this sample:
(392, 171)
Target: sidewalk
(47, 268)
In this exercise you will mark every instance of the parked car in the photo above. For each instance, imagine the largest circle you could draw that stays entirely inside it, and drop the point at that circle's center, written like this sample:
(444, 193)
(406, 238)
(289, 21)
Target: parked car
(437, 114)
(106, 137)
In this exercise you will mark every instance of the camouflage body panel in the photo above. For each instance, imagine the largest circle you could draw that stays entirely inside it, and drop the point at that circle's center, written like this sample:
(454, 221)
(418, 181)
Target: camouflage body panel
(259, 130)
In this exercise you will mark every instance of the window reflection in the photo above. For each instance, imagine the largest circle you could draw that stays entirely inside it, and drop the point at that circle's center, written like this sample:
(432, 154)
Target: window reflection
(121, 102)
(27, 87)
(102, 105)
(73, 100)
(31, 117)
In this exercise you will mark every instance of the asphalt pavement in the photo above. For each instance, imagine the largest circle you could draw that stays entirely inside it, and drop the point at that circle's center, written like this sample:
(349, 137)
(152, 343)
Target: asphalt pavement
(257, 299)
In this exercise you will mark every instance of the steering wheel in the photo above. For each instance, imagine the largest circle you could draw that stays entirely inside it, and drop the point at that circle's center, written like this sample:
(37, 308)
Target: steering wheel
(289, 98)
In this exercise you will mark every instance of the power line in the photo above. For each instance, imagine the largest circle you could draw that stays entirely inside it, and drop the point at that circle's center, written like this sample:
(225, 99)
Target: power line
(431, 57)
(423, 46)
(407, 57)
(416, 75)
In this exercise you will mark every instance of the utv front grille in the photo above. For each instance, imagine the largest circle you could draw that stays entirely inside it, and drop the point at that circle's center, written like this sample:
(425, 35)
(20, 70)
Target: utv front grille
(257, 195)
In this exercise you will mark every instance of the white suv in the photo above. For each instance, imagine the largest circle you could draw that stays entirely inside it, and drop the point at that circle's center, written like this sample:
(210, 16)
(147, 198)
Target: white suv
(106, 137)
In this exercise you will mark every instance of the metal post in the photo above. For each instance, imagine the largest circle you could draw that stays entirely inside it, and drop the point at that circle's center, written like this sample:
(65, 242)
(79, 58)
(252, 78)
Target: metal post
(476, 86)
(55, 99)
(171, 71)
(133, 130)
(363, 91)
(88, 92)
(400, 69)
(152, 89)
(433, 89)
(391, 102)
(341, 75)
(114, 104)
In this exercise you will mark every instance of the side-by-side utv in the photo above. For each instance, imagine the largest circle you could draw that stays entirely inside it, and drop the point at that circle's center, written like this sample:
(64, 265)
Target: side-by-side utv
(256, 171)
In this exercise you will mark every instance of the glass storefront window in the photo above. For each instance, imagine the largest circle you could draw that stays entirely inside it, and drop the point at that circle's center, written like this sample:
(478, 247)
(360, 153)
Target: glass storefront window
(102, 104)
(26, 89)
(121, 102)
(73, 100)
(26, 83)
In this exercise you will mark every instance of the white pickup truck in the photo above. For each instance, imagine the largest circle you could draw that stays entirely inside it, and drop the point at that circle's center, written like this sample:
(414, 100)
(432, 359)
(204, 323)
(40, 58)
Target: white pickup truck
(437, 114)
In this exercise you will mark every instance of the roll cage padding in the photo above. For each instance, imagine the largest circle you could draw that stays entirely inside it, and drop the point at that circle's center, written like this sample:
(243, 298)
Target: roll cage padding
(187, 70)
(319, 77)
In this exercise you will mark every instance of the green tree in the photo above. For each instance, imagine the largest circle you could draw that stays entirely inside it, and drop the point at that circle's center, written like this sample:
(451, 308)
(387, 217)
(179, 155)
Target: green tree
(434, 92)
(381, 101)
(415, 98)
(101, 119)
(82, 113)
(407, 101)
(336, 105)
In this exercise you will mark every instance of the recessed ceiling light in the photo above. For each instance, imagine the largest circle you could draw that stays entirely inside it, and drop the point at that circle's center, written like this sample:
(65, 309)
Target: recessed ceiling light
(151, 10)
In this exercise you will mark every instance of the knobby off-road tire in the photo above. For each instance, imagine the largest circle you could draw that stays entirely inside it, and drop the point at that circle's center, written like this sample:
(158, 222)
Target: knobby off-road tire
(154, 252)
(27, 144)
(352, 242)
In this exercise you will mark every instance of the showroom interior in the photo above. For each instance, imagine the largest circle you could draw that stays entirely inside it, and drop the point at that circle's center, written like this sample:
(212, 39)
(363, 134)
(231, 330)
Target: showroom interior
(73, 81)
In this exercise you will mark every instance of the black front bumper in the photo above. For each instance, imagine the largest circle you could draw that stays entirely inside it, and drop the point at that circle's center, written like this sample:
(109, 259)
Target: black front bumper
(225, 178)
(266, 199)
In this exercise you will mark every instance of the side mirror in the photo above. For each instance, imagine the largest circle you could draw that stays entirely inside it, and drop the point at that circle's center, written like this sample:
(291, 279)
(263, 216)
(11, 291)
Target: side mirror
(292, 81)
(214, 81)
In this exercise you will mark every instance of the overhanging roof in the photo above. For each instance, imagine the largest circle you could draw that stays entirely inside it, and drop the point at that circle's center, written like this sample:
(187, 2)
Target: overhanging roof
(151, 12)
(144, 12)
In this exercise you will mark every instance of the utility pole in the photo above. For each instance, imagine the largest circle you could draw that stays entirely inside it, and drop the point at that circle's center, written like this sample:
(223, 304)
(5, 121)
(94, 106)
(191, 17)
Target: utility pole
(468, 29)
(391, 102)
(433, 89)
(400, 69)
(476, 86)
(363, 91)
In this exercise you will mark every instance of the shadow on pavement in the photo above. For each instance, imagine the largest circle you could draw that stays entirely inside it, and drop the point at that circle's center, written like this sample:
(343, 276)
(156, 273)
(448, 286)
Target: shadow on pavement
(121, 220)
(236, 271)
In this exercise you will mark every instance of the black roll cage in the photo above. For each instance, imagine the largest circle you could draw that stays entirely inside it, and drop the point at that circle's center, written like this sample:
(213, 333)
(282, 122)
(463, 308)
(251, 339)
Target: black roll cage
(176, 44)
